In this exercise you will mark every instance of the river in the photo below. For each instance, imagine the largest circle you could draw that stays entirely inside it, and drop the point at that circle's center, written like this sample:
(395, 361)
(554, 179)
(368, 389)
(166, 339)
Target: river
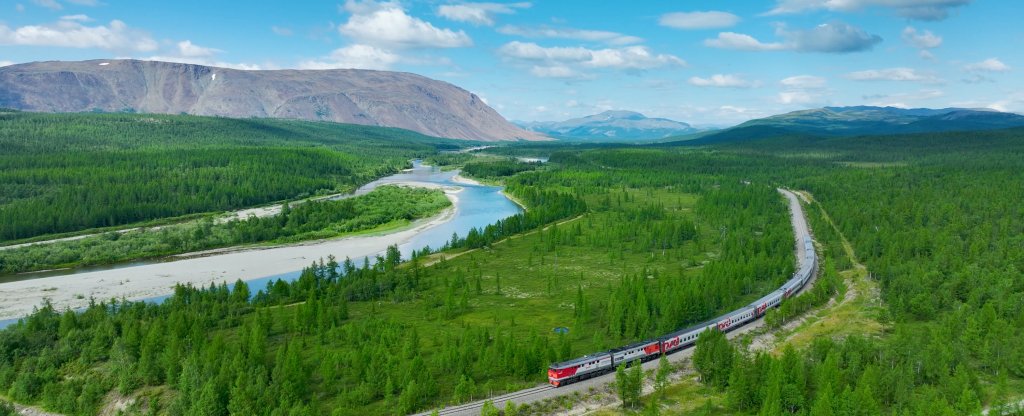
(474, 206)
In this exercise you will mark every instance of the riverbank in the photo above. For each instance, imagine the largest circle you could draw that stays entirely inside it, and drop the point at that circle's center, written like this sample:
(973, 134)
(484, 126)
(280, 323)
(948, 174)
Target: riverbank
(17, 299)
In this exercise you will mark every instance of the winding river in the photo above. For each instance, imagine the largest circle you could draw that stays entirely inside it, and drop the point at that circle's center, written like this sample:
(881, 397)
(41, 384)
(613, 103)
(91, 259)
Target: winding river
(474, 206)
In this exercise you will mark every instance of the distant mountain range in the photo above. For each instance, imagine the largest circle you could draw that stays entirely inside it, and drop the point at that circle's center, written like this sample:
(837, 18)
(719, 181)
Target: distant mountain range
(376, 98)
(610, 126)
(860, 121)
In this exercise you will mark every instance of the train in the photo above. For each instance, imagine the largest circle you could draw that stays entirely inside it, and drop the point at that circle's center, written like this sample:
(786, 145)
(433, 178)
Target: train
(593, 365)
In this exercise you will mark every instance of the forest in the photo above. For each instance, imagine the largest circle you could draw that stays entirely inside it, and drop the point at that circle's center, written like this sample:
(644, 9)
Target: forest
(64, 173)
(472, 319)
(384, 206)
(618, 244)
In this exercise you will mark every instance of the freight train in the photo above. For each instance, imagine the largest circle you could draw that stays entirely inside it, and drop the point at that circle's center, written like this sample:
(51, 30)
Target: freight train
(567, 372)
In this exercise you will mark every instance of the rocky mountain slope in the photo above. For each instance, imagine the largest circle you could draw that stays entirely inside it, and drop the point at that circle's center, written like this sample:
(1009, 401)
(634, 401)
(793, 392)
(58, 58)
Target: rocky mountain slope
(377, 98)
(611, 125)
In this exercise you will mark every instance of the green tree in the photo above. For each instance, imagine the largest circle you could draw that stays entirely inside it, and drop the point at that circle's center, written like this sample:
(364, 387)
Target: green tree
(661, 377)
(489, 409)
(713, 357)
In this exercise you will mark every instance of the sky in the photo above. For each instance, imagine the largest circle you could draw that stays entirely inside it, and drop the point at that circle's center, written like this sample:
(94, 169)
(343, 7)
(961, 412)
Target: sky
(709, 63)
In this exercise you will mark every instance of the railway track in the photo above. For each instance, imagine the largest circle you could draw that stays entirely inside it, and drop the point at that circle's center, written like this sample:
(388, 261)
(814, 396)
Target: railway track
(545, 391)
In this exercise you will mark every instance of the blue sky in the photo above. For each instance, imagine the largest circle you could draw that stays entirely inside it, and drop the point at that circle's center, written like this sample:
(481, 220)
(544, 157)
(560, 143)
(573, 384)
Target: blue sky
(703, 62)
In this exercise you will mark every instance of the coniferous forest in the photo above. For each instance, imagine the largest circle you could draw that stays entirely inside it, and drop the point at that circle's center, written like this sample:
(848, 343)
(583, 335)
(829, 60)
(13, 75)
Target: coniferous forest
(61, 173)
(618, 244)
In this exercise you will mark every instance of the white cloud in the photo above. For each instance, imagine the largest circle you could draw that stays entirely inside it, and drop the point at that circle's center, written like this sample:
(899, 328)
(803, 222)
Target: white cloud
(188, 49)
(388, 25)
(200, 61)
(835, 37)
(988, 65)
(281, 31)
(6, 63)
(630, 57)
(612, 38)
(355, 56)
(911, 9)
(803, 90)
(116, 36)
(478, 13)
(892, 74)
(722, 81)
(922, 40)
(741, 42)
(803, 82)
(797, 97)
(698, 20)
(76, 18)
(533, 51)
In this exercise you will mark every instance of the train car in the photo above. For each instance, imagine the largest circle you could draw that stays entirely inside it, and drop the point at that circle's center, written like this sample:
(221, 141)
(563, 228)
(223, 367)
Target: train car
(770, 300)
(579, 369)
(736, 319)
(684, 338)
(641, 351)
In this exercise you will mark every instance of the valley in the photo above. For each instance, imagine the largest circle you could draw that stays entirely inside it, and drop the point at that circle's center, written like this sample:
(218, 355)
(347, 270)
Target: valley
(511, 208)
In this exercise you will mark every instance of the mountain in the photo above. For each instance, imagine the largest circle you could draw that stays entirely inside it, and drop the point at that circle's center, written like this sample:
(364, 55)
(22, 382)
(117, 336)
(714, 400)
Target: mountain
(861, 121)
(376, 98)
(611, 125)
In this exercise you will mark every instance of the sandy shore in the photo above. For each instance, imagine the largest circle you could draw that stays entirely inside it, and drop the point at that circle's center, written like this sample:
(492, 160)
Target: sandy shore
(17, 299)
(458, 178)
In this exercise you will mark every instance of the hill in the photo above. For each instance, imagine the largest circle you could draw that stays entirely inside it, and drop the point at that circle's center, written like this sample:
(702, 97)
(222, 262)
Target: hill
(63, 173)
(861, 121)
(374, 98)
(611, 126)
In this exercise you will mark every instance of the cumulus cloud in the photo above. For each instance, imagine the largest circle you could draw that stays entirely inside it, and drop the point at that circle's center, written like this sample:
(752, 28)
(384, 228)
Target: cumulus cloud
(988, 65)
(354, 56)
(835, 37)
(805, 90)
(629, 57)
(388, 25)
(722, 81)
(742, 42)
(797, 97)
(911, 9)
(698, 20)
(76, 18)
(803, 82)
(921, 40)
(892, 74)
(190, 50)
(71, 33)
(480, 14)
(611, 38)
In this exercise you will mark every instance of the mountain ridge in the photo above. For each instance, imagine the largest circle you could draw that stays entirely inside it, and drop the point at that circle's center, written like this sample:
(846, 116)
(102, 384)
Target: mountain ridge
(610, 125)
(860, 121)
(366, 97)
